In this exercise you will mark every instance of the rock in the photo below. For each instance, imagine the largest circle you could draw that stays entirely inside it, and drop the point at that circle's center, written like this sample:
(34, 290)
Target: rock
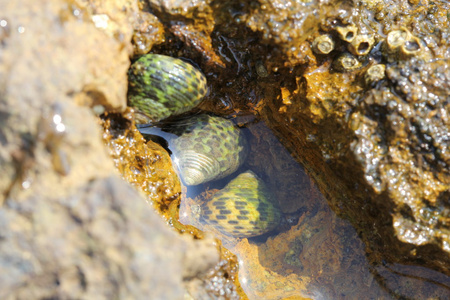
(406, 123)
(69, 226)
(85, 244)
(286, 24)
(145, 165)
(192, 22)
(148, 31)
(378, 151)
(377, 146)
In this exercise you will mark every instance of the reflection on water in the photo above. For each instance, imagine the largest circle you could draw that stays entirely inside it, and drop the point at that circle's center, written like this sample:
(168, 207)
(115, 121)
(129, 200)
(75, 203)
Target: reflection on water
(312, 253)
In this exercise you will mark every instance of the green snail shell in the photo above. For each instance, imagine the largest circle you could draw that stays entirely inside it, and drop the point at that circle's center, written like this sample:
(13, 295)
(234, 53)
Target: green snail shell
(161, 86)
(208, 148)
(243, 208)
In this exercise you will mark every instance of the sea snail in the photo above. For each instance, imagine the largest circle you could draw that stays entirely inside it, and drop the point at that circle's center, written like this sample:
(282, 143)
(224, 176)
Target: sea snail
(162, 86)
(208, 148)
(243, 208)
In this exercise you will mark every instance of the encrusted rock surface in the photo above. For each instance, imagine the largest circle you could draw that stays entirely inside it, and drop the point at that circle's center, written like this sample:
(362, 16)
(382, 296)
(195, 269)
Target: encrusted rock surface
(285, 24)
(376, 143)
(378, 146)
(369, 120)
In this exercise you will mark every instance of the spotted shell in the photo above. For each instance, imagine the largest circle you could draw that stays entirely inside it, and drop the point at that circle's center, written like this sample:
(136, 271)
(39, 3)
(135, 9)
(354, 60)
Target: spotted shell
(161, 86)
(243, 208)
(208, 148)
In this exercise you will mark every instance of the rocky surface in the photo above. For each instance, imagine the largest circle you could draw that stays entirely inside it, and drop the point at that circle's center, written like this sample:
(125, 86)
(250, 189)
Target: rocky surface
(84, 244)
(368, 119)
(70, 226)
(381, 141)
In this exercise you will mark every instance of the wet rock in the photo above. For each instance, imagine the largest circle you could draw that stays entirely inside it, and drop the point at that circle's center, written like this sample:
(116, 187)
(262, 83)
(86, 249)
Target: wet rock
(296, 263)
(194, 11)
(410, 137)
(286, 24)
(146, 165)
(380, 147)
(148, 32)
(190, 21)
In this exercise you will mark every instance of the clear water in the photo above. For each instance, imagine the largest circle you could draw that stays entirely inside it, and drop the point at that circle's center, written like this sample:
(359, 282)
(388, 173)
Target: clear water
(313, 253)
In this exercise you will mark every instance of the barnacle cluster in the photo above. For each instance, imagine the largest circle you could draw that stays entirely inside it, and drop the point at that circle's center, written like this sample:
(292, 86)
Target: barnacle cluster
(401, 44)
(384, 87)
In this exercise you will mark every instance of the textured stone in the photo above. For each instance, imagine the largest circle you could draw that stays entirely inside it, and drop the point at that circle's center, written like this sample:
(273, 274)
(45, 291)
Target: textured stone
(93, 244)
(69, 226)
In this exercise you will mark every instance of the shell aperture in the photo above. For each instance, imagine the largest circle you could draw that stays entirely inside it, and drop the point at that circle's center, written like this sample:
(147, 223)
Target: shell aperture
(243, 208)
(208, 148)
(161, 86)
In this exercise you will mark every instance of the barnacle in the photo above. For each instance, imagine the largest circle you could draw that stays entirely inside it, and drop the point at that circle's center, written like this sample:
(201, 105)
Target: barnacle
(375, 73)
(347, 33)
(346, 62)
(323, 44)
(361, 45)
